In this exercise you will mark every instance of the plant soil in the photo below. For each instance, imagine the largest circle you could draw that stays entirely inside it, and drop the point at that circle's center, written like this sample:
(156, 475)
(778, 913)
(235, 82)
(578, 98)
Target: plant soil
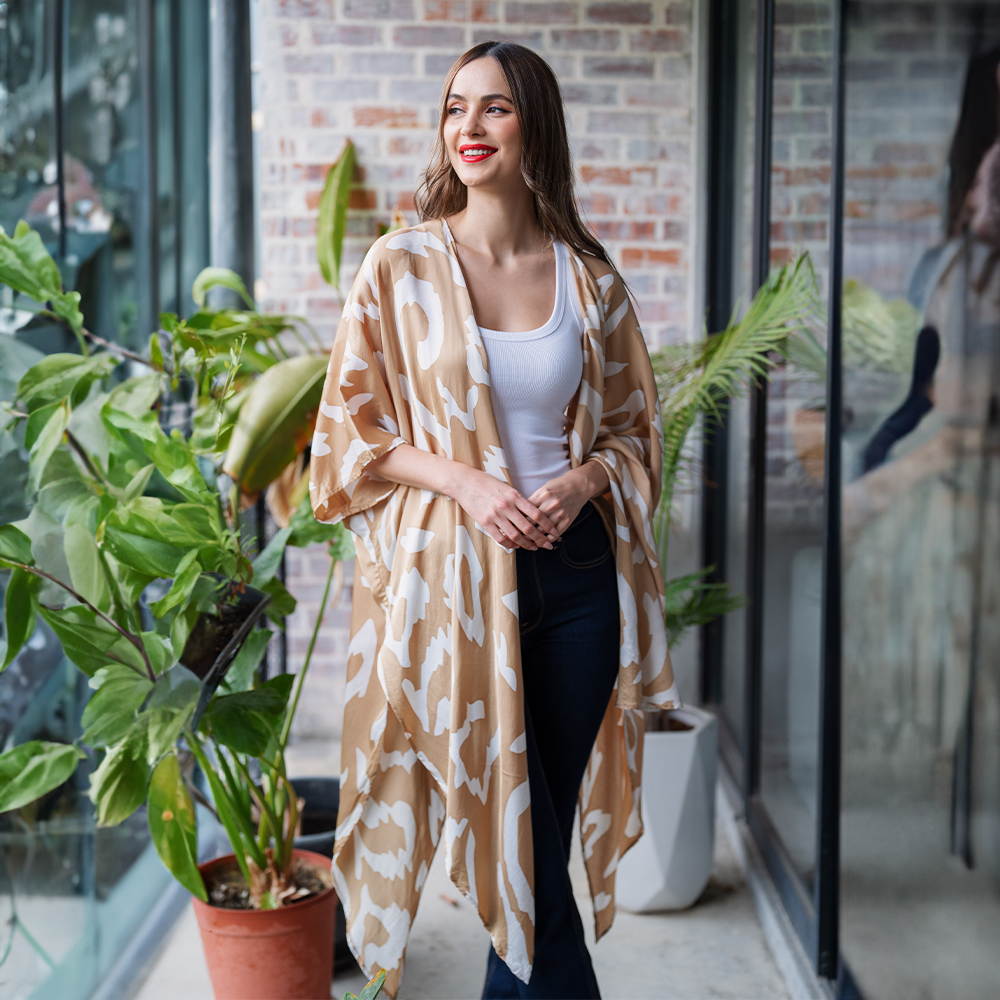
(228, 889)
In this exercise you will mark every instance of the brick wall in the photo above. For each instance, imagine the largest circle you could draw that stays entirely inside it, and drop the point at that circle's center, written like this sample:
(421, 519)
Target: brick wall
(371, 71)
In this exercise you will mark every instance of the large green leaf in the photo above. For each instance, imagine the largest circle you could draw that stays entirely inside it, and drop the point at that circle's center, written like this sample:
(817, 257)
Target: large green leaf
(147, 555)
(20, 611)
(332, 224)
(173, 825)
(60, 375)
(111, 711)
(282, 603)
(218, 277)
(86, 571)
(118, 786)
(188, 571)
(276, 421)
(26, 266)
(266, 564)
(306, 530)
(86, 639)
(245, 721)
(30, 770)
(49, 438)
(15, 545)
(239, 677)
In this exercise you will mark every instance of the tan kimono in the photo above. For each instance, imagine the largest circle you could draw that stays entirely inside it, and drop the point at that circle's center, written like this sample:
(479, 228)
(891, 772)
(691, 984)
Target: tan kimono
(434, 737)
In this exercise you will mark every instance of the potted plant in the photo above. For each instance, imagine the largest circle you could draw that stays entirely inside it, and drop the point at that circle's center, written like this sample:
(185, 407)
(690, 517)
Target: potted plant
(131, 555)
(671, 863)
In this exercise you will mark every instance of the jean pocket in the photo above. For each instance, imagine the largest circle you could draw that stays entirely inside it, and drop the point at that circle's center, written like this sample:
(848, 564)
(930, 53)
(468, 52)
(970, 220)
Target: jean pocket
(585, 543)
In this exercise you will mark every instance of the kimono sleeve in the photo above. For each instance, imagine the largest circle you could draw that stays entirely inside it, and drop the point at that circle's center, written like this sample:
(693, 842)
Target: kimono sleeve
(357, 420)
(629, 440)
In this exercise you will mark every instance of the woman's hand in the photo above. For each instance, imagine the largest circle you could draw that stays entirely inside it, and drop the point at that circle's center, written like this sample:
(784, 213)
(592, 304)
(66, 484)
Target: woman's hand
(504, 513)
(561, 499)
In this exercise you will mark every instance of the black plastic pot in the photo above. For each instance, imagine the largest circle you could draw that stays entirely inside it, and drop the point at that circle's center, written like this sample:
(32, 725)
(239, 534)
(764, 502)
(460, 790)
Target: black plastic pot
(216, 638)
(319, 824)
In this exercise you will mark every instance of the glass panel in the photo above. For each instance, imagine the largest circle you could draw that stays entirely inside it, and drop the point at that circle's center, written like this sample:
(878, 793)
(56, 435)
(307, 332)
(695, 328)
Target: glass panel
(104, 157)
(737, 420)
(921, 501)
(796, 422)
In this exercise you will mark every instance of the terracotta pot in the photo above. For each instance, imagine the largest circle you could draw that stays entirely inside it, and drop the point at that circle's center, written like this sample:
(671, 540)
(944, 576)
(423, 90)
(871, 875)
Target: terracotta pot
(284, 954)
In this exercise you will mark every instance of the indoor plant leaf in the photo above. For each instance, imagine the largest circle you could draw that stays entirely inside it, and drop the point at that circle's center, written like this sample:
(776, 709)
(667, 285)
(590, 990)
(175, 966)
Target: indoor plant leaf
(282, 603)
(118, 786)
(266, 564)
(218, 277)
(30, 770)
(276, 421)
(20, 611)
(245, 721)
(188, 571)
(15, 545)
(86, 639)
(111, 710)
(86, 571)
(173, 825)
(332, 224)
(48, 439)
(60, 375)
(26, 266)
(240, 675)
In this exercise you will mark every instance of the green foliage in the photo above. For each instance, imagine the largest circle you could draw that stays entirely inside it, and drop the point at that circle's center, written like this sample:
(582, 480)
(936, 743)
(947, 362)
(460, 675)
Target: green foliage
(695, 381)
(117, 505)
(173, 825)
(372, 988)
(332, 224)
(34, 769)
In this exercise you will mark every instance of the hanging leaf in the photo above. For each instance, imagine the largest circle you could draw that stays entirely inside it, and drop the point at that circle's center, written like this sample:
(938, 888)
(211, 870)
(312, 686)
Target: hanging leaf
(86, 572)
(15, 545)
(111, 711)
(118, 786)
(20, 611)
(31, 770)
(86, 639)
(173, 825)
(57, 376)
(333, 215)
(276, 421)
(26, 266)
(245, 721)
(218, 277)
(239, 677)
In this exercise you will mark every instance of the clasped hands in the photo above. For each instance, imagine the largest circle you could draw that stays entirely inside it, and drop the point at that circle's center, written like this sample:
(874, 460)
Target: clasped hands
(534, 522)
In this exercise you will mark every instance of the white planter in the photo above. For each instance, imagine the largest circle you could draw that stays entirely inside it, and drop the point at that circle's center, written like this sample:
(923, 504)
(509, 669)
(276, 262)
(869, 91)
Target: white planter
(669, 866)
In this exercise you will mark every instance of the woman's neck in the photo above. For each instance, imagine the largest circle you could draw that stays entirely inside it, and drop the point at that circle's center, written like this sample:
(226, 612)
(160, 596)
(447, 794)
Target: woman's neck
(499, 225)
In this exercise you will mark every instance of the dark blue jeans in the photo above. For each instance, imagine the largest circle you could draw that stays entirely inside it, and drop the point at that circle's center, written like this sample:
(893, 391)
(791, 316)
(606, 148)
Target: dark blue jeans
(568, 607)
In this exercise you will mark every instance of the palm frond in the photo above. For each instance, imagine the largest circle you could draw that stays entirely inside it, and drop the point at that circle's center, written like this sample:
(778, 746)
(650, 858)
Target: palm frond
(695, 380)
(691, 601)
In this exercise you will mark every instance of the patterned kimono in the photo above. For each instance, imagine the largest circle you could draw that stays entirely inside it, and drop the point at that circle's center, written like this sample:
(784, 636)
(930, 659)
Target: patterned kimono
(434, 732)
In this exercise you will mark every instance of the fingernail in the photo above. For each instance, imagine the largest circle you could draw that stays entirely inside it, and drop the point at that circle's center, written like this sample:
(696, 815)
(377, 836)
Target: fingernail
(548, 545)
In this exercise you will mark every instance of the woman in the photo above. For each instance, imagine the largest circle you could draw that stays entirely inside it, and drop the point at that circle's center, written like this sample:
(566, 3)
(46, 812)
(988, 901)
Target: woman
(478, 438)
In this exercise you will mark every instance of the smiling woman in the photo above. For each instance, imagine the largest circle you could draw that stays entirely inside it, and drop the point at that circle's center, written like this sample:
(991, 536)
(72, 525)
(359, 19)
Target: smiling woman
(498, 457)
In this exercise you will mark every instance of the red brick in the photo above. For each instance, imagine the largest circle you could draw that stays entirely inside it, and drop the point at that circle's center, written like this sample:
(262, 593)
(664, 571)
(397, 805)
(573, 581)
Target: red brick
(658, 94)
(403, 200)
(581, 93)
(678, 13)
(660, 203)
(641, 257)
(322, 118)
(404, 145)
(323, 307)
(530, 39)
(586, 39)
(478, 11)
(618, 229)
(620, 66)
(379, 10)
(617, 175)
(597, 203)
(659, 41)
(795, 232)
(801, 13)
(540, 13)
(620, 13)
(289, 35)
(345, 34)
(303, 8)
(675, 232)
(428, 36)
(318, 63)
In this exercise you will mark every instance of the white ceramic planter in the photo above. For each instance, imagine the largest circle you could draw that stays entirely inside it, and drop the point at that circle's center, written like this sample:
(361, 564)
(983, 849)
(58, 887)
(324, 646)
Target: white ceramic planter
(669, 866)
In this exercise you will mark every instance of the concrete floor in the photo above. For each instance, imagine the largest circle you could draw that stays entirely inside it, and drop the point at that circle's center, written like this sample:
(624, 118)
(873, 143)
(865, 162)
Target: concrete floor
(716, 949)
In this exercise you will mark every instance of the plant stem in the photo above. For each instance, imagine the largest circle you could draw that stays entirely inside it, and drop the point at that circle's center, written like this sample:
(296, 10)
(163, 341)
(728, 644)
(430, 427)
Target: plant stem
(87, 460)
(135, 640)
(301, 675)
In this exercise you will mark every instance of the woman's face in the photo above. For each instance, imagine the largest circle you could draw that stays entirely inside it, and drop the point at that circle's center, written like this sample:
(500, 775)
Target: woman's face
(480, 127)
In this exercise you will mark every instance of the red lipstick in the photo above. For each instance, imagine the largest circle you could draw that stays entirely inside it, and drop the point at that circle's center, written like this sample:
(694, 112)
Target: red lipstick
(475, 152)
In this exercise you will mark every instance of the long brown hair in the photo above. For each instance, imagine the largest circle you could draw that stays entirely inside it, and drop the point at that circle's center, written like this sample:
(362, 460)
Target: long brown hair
(545, 158)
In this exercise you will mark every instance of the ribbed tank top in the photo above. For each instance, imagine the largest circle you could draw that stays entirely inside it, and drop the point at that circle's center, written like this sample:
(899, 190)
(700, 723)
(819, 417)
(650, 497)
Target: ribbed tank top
(534, 376)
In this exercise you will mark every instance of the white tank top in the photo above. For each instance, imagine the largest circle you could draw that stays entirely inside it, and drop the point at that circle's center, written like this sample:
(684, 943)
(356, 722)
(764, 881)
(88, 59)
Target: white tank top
(534, 376)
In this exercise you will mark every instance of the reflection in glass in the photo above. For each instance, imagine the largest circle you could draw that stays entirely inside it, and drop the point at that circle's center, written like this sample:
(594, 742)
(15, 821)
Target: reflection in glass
(796, 432)
(921, 502)
(737, 419)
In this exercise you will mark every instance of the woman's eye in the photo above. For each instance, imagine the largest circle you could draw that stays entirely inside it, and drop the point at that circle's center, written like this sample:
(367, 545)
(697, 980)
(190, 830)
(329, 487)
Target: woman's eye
(455, 110)
(495, 107)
